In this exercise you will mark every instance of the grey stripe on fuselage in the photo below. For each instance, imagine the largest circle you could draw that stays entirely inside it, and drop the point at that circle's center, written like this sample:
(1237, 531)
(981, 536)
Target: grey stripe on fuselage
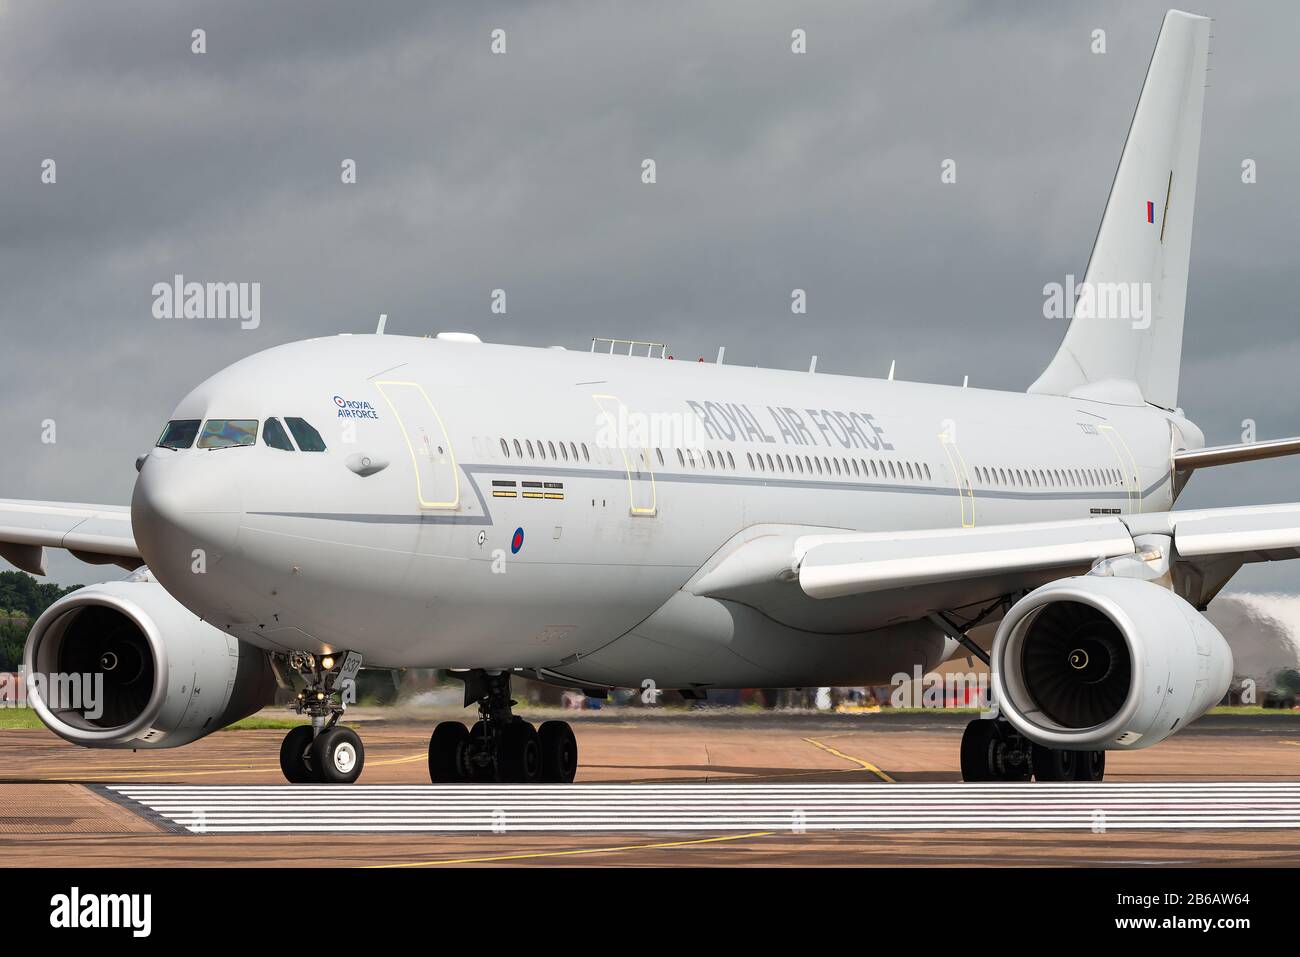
(723, 480)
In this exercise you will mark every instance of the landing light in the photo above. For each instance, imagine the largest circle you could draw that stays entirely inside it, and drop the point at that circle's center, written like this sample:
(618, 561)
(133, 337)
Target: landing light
(327, 663)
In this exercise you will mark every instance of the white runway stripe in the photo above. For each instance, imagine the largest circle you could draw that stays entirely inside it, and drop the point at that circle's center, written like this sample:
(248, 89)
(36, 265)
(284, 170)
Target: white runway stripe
(214, 809)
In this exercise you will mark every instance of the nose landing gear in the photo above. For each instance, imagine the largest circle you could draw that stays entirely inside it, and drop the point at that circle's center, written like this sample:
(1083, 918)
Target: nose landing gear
(323, 752)
(501, 746)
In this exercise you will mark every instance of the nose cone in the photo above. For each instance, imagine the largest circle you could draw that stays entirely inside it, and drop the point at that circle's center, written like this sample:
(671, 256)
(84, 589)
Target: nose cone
(186, 511)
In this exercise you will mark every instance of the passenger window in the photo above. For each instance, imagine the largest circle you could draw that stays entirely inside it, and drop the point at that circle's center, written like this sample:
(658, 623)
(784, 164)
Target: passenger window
(305, 435)
(228, 433)
(274, 435)
(179, 434)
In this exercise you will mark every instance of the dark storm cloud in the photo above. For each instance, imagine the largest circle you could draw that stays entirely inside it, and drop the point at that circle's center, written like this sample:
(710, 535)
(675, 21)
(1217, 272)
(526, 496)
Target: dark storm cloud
(522, 172)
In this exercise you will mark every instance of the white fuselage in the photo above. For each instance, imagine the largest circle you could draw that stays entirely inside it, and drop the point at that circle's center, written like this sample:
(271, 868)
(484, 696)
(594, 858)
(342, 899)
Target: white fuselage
(415, 564)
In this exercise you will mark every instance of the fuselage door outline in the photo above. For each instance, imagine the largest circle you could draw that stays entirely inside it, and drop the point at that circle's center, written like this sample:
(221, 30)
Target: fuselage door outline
(432, 456)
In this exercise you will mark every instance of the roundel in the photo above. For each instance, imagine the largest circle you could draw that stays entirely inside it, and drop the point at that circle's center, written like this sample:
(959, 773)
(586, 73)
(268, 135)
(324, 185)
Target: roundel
(517, 541)
(338, 400)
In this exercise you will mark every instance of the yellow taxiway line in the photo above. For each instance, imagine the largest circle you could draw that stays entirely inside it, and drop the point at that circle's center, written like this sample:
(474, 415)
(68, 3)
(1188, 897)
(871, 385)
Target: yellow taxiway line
(585, 850)
(865, 765)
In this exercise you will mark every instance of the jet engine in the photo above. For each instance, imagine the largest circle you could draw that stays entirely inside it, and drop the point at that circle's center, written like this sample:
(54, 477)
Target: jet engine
(124, 665)
(1106, 663)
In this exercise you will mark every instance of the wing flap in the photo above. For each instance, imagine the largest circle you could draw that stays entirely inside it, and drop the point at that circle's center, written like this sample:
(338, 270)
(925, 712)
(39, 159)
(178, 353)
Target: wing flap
(1225, 531)
(832, 566)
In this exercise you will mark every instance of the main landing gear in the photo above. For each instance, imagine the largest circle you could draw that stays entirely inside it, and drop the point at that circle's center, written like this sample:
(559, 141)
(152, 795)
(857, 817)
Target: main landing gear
(992, 750)
(500, 747)
(322, 752)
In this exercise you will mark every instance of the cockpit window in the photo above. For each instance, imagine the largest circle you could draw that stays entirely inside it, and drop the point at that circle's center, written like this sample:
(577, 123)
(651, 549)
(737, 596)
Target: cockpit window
(274, 435)
(179, 434)
(227, 433)
(308, 438)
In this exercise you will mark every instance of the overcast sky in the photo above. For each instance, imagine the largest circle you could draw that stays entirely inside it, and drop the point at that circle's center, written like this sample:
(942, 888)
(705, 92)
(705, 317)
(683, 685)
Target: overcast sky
(522, 171)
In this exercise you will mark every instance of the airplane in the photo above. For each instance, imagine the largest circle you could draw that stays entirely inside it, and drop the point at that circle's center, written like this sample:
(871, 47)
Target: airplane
(610, 519)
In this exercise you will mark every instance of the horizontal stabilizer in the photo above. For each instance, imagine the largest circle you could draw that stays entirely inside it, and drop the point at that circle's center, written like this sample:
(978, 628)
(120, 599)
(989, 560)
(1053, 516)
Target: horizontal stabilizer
(1232, 454)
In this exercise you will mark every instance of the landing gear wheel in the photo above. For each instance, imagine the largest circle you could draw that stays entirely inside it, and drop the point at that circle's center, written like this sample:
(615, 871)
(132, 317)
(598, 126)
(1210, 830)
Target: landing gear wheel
(1089, 765)
(559, 752)
(479, 763)
(295, 755)
(977, 743)
(446, 753)
(1054, 764)
(337, 756)
(520, 758)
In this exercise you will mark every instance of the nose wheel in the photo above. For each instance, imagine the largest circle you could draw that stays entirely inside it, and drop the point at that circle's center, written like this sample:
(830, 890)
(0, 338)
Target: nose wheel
(322, 752)
(501, 747)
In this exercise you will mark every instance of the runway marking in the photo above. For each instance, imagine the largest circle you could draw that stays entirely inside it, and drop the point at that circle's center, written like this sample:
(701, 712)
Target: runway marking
(116, 775)
(585, 850)
(866, 765)
(694, 808)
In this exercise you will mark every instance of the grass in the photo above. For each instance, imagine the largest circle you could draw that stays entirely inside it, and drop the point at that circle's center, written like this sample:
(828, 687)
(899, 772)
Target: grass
(19, 719)
(25, 719)
(258, 723)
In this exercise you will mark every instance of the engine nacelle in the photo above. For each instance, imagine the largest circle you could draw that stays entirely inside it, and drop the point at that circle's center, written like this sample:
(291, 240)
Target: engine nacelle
(168, 678)
(1102, 663)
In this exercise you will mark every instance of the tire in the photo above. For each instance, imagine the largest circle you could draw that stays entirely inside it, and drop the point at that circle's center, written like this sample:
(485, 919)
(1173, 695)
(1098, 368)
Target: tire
(446, 753)
(479, 742)
(559, 752)
(1054, 764)
(1090, 765)
(337, 756)
(295, 755)
(520, 758)
(976, 741)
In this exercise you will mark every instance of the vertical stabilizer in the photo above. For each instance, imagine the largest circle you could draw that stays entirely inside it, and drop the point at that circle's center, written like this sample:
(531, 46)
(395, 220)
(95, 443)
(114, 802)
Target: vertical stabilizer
(1127, 325)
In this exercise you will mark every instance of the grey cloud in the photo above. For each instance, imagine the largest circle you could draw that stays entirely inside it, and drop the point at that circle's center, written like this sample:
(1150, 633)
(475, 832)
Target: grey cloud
(522, 172)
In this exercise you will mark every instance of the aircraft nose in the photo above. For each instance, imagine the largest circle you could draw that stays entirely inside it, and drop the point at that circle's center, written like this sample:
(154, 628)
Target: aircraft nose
(186, 507)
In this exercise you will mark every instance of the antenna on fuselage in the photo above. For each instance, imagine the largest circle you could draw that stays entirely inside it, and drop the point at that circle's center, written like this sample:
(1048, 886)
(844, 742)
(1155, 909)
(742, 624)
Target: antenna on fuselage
(891, 369)
(812, 366)
(722, 350)
(965, 381)
(383, 321)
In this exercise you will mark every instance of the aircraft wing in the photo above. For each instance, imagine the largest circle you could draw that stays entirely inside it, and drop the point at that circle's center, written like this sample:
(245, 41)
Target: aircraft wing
(790, 573)
(99, 534)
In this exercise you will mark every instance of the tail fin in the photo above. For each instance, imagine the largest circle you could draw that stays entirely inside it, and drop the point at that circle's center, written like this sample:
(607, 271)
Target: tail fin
(1127, 328)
